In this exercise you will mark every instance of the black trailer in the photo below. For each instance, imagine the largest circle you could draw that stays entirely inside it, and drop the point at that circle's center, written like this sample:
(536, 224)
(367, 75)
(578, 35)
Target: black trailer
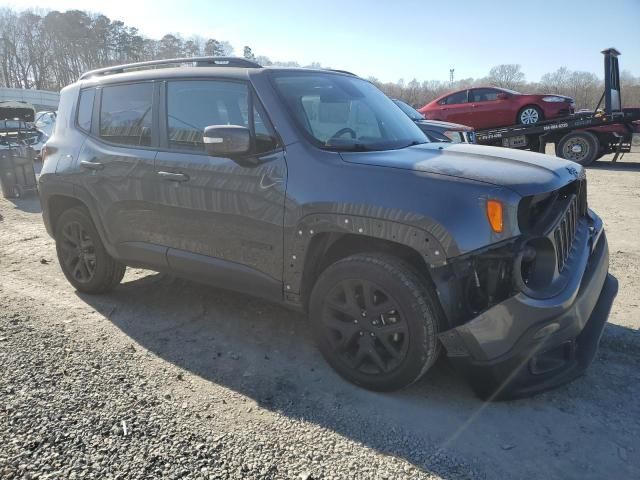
(583, 137)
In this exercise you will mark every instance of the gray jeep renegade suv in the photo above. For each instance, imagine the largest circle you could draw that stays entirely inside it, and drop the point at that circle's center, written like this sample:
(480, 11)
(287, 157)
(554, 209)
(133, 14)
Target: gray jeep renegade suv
(311, 188)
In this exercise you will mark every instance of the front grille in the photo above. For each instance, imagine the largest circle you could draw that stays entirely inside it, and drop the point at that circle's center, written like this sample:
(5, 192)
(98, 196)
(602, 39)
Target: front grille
(582, 197)
(565, 232)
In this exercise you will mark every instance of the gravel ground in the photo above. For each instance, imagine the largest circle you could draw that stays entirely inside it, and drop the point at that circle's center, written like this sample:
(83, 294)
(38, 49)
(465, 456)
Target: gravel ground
(168, 378)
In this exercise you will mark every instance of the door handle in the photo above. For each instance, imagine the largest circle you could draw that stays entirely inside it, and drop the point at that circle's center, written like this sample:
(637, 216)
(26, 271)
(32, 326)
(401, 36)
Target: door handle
(92, 165)
(173, 177)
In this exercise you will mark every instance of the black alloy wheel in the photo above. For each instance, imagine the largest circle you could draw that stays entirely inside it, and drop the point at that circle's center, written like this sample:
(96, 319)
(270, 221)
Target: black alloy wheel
(82, 255)
(365, 326)
(78, 252)
(376, 320)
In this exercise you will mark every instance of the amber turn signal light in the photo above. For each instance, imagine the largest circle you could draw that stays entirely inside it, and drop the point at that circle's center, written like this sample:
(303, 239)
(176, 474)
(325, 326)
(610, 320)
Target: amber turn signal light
(495, 215)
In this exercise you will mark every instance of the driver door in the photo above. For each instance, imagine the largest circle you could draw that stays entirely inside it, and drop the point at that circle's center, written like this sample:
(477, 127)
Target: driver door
(214, 211)
(488, 110)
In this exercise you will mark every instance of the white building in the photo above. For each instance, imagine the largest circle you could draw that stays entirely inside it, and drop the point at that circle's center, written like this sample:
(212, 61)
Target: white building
(40, 99)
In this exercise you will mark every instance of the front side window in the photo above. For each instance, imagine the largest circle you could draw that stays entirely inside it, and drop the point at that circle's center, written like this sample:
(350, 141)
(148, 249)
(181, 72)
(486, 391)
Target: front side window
(193, 105)
(345, 113)
(456, 98)
(85, 109)
(125, 114)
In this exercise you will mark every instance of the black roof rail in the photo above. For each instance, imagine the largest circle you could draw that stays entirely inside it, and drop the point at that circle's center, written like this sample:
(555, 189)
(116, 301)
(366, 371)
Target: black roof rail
(197, 61)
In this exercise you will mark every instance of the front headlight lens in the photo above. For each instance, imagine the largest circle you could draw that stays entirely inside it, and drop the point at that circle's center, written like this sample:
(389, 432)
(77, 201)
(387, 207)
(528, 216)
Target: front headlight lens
(553, 99)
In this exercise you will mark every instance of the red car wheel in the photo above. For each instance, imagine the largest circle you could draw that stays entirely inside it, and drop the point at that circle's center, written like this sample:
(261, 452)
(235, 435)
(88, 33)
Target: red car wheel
(530, 115)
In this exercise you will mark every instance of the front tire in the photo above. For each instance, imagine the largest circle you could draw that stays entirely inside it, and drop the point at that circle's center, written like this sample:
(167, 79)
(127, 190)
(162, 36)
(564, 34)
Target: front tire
(376, 321)
(82, 256)
(579, 147)
(530, 115)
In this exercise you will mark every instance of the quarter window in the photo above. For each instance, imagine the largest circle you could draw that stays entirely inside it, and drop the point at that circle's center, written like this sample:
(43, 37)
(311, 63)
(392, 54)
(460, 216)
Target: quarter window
(85, 109)
(125, 114)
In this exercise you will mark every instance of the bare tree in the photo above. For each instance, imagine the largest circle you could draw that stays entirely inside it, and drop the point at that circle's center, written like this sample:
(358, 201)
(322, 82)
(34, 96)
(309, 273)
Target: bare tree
(248, 53)
(48, 50)
(213, 48)
(506, 76)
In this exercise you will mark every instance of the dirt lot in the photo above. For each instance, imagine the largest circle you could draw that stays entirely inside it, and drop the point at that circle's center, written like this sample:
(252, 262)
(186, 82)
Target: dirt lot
(169, 378)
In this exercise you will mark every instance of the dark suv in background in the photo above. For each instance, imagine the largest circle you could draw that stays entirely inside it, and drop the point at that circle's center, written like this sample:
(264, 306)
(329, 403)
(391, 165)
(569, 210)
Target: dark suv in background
(311, 188)
(437, 131)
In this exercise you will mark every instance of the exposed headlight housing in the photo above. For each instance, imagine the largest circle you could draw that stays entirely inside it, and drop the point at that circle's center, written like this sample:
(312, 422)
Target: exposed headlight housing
(553, 99)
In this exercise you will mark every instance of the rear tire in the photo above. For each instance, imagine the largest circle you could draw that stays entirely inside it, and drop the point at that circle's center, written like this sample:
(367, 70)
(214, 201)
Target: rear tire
(580, 147)
(530, 115)
(376, 321)
(82, 256)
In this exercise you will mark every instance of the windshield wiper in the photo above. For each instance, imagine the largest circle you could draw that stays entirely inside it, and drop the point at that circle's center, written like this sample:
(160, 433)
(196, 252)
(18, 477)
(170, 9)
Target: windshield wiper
(413, 143)
(354, 147)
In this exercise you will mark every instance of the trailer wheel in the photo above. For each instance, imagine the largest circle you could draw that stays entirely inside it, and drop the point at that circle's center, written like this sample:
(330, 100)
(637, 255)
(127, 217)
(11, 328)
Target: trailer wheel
(579, 147)
(530, 115)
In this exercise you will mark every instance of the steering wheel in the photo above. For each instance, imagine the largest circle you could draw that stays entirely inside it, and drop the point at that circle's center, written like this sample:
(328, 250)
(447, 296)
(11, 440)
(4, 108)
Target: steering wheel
(342, 131)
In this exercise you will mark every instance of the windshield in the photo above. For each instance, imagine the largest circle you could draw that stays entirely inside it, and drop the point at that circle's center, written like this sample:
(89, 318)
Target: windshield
(512, 92)
(345, 113)
(411, 112)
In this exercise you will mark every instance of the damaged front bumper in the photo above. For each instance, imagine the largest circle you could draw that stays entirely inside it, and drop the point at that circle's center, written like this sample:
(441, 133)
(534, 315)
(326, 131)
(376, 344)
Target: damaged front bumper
(524, 345)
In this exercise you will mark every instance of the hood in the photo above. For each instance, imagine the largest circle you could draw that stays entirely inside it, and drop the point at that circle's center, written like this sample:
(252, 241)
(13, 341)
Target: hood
(445, 125)
(523, 172)
(542, 95)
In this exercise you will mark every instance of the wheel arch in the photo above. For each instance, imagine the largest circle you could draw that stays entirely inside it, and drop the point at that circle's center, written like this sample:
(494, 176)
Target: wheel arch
(57, 203)
(325, 239)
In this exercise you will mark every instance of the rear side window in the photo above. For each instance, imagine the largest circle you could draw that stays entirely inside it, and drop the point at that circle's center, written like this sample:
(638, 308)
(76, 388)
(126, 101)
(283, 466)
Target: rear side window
(85, 109)
(125, 114)
(483, 95)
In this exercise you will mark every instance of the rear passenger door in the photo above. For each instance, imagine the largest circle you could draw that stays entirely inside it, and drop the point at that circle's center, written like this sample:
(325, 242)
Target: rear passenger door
(117, 163)
(219, 217)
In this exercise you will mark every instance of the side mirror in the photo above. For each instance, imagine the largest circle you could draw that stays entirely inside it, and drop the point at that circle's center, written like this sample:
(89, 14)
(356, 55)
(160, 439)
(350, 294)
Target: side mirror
(502, 96)
(226, 140)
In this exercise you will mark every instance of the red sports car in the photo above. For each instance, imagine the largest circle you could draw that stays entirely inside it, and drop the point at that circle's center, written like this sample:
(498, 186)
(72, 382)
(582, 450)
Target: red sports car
(490, 107)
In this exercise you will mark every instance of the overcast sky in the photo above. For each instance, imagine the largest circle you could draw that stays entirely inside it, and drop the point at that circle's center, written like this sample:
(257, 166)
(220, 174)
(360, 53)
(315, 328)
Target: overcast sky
(397, 39)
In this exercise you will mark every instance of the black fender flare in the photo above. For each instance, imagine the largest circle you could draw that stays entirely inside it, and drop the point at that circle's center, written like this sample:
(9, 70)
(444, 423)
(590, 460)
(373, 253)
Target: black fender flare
(85, 197)
(298, 240)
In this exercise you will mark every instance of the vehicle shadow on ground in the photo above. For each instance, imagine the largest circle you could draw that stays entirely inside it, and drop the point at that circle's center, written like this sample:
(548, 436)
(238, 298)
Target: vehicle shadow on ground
(620, 165)
(267, 353)
(28, 204)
